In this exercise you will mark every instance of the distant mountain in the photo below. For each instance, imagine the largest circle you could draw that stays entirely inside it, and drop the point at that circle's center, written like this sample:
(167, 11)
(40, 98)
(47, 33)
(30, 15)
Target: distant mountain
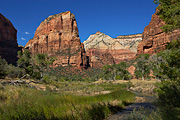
(118, 49)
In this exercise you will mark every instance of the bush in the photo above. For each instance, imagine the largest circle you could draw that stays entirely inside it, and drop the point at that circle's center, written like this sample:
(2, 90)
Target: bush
(3, 65)
(14, 72)
(169, 100)
(36, 75)
(115, 72)
(118, 77)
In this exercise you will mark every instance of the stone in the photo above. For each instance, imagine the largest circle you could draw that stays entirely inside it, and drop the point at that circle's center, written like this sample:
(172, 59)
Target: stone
(131, 70)
(8, 40)
(154, 39)
(116, 50)
(58, 36)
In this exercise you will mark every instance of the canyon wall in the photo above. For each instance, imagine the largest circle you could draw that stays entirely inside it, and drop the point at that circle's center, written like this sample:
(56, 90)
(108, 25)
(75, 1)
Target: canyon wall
(8, 40)
(154, 39)
(101, 49)
(58, 36)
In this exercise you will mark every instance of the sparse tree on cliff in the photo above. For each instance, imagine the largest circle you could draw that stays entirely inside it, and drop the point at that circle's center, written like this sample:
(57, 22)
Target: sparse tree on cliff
(169, 11)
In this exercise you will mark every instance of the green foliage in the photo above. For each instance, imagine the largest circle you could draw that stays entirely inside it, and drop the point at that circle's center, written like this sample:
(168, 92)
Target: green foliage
(155, 62)
(169, 11)
(142, 66)
(169, 89)
(36, 65)
(25, 61)
(42, 63)
(171, 66)
(3, 65)
(14, 72)
(169, 100)
(118, 77)
(175, 44)
(69, 73)
(114, 72)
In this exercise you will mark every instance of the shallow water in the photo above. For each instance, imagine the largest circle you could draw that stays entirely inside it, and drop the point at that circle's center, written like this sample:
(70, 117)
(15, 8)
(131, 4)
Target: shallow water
(146, 105)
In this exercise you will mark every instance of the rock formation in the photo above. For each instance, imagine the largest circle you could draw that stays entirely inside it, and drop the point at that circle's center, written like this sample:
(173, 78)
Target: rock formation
(102, 49)
(8, 40)
(154, 39)
(58, 36)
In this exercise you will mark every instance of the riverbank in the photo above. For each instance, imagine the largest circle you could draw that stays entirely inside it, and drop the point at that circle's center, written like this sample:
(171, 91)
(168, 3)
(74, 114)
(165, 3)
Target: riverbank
(145, 96)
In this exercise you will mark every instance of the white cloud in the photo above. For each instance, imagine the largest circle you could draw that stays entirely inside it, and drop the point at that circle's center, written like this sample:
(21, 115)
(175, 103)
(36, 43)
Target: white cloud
(23, 38)
(27, 33)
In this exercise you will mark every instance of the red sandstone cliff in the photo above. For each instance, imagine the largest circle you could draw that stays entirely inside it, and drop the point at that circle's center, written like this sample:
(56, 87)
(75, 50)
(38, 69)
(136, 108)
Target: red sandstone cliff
(58, 36)
(154, 39)
(8, 40)
(103, 50)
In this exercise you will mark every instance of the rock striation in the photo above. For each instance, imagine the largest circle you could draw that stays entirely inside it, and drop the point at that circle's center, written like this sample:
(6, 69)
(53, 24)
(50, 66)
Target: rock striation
(58, 36)
(8, 40)
(154, 39)
(102, 49)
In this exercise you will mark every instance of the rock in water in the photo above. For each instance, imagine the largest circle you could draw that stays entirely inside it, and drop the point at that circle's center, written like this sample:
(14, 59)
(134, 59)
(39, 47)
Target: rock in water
(58, 36)
(8, 40)
(154, 39)
(103, 50)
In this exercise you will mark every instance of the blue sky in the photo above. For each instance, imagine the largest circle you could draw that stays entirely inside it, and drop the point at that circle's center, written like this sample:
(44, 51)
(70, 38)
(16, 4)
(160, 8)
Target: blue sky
(112, 17)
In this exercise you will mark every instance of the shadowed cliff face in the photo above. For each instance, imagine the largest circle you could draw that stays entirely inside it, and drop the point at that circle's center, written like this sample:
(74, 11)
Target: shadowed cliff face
(116, 50)
(58, 36)
(8, 40)
(154, 39)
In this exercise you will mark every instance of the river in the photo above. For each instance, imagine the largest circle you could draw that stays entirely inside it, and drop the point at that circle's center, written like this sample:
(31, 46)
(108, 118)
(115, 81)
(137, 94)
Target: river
(142, 105)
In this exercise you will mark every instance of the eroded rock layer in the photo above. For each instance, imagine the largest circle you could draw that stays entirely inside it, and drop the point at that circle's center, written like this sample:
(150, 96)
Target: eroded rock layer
(58, 36)
(154, 39)
(8, 40)
(116, 50)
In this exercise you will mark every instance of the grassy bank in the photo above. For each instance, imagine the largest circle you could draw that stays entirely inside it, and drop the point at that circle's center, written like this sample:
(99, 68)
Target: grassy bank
(27, 103)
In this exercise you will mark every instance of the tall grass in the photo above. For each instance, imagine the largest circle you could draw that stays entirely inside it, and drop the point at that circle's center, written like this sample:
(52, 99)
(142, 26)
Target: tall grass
(27, 103)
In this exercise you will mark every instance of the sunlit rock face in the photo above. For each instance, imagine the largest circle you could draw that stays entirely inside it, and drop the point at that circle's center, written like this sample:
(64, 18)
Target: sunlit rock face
(8, 40)
(58, 36)
(154, 39)
(116, 50)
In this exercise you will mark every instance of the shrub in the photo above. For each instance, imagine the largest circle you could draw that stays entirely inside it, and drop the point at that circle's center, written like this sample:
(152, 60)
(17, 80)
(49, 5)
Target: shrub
(118, 77)
(3, 65)
(14, 72)
(169, 100)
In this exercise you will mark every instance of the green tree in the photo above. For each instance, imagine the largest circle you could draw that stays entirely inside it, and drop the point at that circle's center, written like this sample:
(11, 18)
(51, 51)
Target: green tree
(35, 65)
(3, 65)
(169, 11)
(25, 61)
(113, 72)
(155, 62)
(175, 44)
(169, 90)
(42, 63)
(122, 72)
(14, 72)
(142, 66)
